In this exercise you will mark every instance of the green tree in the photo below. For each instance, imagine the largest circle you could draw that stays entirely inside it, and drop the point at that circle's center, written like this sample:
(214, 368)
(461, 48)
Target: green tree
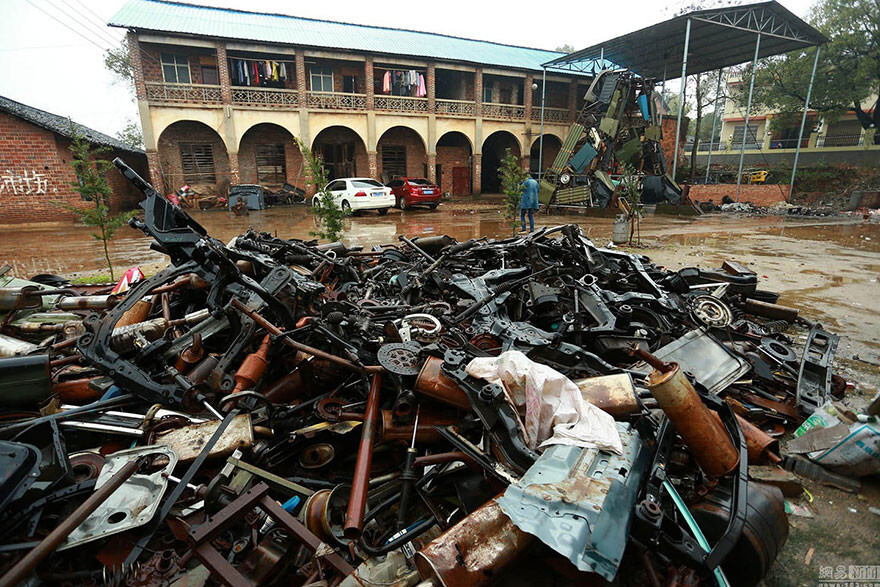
(512, 176)
(329, 215)
(848, 71)
(566, 48)
(705, 96)
(131, 134)
(91, 184)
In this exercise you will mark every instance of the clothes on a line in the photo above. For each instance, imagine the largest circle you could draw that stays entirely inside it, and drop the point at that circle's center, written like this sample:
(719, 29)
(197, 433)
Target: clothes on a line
(404, 83)
(253, 72)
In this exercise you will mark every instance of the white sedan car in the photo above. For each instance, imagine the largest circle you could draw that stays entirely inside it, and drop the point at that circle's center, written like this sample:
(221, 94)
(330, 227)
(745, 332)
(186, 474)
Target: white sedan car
(359, 193)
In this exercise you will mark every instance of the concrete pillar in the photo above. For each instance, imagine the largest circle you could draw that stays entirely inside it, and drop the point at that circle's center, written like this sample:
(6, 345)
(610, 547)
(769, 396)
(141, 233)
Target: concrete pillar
(234, 175)
(368, 81)
(432, 167)
(373, 162)
(765, 144)
(223, 72)
(572, 101)
(478, 91)
(137, 66)
(478, 173)
(431, 83)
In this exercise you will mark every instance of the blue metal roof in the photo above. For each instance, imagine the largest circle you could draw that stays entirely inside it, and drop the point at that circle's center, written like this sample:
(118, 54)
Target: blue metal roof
(180, 18)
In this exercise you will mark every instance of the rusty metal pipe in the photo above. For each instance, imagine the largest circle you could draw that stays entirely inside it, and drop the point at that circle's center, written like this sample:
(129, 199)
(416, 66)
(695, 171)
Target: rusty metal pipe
(704, 435)
(136, 314)
(104, 302)
(65, 360)
(445, 457)
(761, 446)
(26, 565)
(475, 551)
(77, 391)
(354, 517)
(253, 367)
(275, 331)
(433, 383)
(426, 433)
(771, 311)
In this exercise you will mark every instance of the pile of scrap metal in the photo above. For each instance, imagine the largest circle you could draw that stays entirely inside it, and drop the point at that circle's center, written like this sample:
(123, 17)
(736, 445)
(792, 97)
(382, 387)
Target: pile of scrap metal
(617, 132)
(274, 411)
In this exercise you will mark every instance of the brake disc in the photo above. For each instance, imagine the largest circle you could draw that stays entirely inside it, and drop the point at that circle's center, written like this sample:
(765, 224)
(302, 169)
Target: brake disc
(401, 358)
(778, 350)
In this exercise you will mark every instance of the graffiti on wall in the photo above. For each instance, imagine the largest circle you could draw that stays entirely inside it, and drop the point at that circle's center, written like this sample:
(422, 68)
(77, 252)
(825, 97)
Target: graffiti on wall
(24, 183)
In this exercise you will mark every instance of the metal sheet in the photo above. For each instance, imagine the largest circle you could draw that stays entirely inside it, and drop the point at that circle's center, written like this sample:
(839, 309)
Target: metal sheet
(579, 501)
(709, 361)
(188, 441)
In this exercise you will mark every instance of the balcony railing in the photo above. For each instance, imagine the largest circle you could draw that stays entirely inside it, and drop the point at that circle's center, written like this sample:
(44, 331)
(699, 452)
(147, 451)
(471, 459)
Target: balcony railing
(506, 111)
(265, 97)
(401, 104)
(456, 107)
(198, 93)
(337, 101)
(851, 140)
(550, 114)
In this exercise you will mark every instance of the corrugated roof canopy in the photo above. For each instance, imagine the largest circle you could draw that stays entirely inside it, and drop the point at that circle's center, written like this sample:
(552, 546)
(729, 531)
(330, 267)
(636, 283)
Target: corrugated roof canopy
(180, 18)
(720, 37)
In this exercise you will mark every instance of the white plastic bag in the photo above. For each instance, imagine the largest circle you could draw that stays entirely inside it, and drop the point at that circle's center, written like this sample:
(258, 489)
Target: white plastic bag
(556, 411)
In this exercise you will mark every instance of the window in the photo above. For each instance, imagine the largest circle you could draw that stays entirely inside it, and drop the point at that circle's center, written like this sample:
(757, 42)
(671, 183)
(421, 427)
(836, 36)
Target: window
(321, 79)
(366, 183)
(175, 68)
(197, 161)
(349, 84)
(336, 186)
(487, 94)
(751, 140)
(394, 160)
(270, 164)
(505, 96)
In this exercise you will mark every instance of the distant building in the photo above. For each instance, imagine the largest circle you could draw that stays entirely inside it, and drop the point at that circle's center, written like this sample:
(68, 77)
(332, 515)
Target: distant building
(35, 166)
(841, 141)
(223, 92)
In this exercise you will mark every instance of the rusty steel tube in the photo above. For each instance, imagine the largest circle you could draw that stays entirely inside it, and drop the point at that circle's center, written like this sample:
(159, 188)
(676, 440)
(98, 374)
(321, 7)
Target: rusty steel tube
(26, 565)
(445, 457)
(771, 311)
(760, 445)
(475, 551)
(275, 331)
(135, 314)
(704, 435)
(354, 517)
(433, 383)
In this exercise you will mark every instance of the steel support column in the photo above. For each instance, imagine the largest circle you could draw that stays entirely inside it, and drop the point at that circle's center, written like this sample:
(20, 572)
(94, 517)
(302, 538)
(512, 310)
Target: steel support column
(541, 138)
(742, 149)
(797, 152)
(662, 92)
(714, 120)
(684, 64)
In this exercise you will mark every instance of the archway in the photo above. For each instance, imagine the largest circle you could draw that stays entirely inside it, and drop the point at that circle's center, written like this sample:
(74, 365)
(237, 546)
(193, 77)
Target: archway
(454, 163)
(401, 153)
(552, 145)
(193, 153)
(494, 148)
(343, 151)
(268, 156)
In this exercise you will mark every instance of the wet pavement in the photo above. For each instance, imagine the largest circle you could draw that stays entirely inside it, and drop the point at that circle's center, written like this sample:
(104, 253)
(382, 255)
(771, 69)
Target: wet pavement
(828, 267)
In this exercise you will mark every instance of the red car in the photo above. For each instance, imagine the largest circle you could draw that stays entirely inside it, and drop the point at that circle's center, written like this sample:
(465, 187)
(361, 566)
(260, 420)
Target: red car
(414, 191)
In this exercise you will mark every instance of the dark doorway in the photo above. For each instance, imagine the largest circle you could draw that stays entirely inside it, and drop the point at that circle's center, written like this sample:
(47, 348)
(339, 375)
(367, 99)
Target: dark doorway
(461, 181)
(338, 159)
(493, 151)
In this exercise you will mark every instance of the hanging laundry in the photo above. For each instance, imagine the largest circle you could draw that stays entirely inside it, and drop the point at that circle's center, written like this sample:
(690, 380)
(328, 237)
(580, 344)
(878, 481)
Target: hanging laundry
(422, 91)
(274, 71)
(386, 83)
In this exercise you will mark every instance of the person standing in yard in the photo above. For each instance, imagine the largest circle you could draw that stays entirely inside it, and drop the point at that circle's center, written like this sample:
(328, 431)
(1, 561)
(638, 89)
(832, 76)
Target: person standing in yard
(529, 203)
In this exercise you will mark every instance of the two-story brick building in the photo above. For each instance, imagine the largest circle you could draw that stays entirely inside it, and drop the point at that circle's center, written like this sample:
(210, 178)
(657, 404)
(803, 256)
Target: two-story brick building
(222, 93)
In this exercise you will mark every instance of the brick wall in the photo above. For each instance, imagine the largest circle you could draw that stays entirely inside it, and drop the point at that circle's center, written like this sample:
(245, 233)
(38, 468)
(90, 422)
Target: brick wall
(340, 135)
(169, 156)
(454, 152)
(551, 149)
(151, 61)
(270, 134)
(757, 194)
(668, 127)
(340, 69)
(35, 174)
(415, 150)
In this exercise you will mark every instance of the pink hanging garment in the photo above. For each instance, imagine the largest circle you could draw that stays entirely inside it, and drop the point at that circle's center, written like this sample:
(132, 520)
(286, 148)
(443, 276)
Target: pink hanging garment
(386, 83)
(422, 92)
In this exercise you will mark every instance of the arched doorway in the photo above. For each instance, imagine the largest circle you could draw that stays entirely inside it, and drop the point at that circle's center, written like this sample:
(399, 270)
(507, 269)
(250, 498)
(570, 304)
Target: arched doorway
(268, 156)
(401, 153)
(552, 145)
(494, 148)
(343, 151)
(193, 153)
(454, 161)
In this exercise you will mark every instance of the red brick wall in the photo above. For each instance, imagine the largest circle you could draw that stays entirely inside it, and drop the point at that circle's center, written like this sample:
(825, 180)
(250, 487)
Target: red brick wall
(455, 153)
(270, 134)
(668, 128)
(340, 69)
(416, 156)
(169, 155)
(757, 194)
(35, 174)
(339, 135)
(551, 149)
(152, 61)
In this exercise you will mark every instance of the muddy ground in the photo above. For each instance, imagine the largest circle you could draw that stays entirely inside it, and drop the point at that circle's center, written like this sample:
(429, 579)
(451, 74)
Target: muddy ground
(827, 267)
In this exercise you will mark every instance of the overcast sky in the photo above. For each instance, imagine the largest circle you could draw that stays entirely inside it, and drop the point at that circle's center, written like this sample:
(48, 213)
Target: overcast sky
(59, 67)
